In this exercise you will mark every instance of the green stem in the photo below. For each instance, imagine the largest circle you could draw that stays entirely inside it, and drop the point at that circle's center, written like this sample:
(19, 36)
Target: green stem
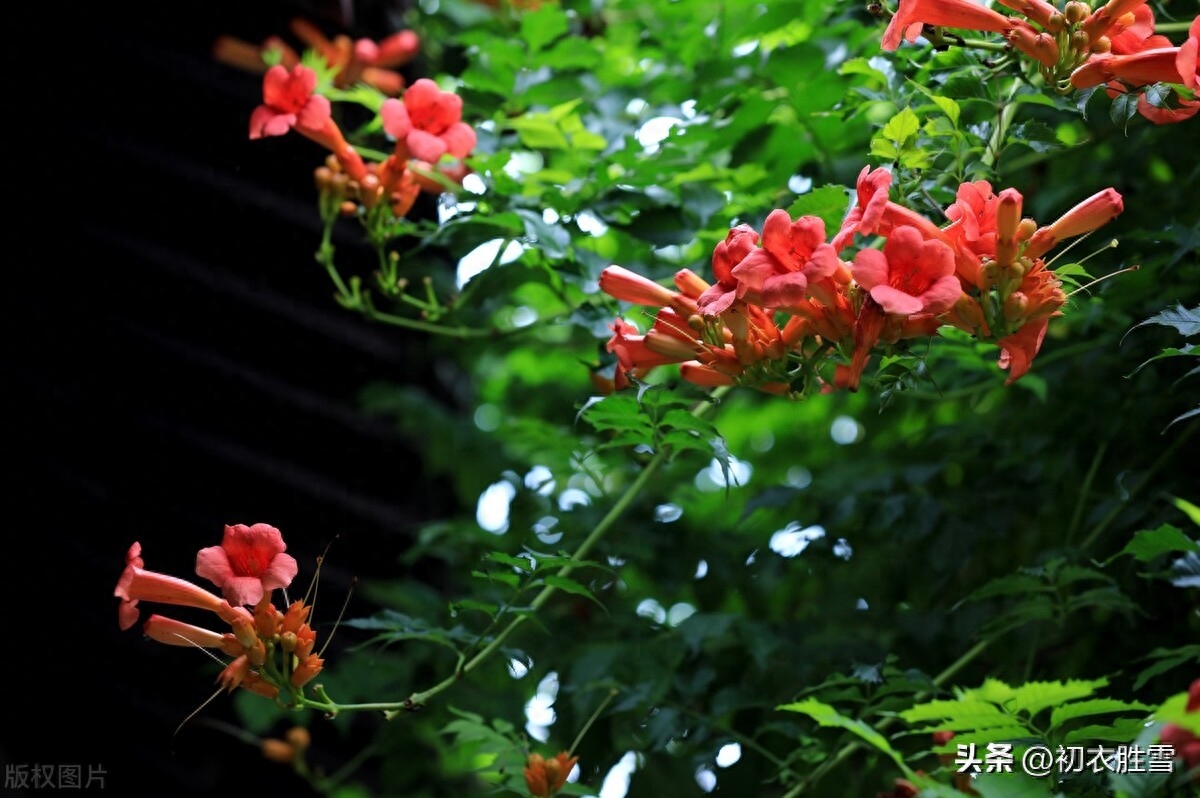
(1118, 507)
(850, 748)
(1172, 27)
(616, 511)
(991, 155)
(583, 732)
(1084, 490)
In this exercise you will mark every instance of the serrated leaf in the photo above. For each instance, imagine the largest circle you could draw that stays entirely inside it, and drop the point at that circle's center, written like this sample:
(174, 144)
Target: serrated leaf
(1123, 730)
(1168, 659)
(1095, 706)
(902, 128)
(974, 713)
(1033, 697)
(568, 586)
(1123, 109)
(1179, 317)
(520, 563)
(1150, 543)
(826, 715)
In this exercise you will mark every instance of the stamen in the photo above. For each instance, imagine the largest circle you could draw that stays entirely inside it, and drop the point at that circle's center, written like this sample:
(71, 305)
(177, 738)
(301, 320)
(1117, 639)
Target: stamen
(345, 605)
(1132, 268)
(196, 711)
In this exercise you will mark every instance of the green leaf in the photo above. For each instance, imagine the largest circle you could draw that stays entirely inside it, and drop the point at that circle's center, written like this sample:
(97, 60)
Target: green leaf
(1016, 784)
(1150, 543)
(828, 203)
(1174, 710)
(1095, 706)
(1124, 107)
(1033, 697)
(540, 27)
(1121, 731)
(520, 563)
(826, 715)
(966, 713)
(1182, 319)
(569, 586)
(1167, 659)
(902, 128)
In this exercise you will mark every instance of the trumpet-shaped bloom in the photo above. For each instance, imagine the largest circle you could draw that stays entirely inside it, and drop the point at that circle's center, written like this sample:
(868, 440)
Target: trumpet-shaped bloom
(177, 633)
(912, 14)
(288, 101)
(1095, 211)
(911, 275)
(1160, 65)
(428, 122)
(738, 244)
(777, 274)
(1018, 350)
(867, 213)
(127, 611)
(249, 562)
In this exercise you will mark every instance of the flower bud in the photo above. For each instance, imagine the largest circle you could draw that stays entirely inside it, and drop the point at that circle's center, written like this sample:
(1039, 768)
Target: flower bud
(299, 737)
(1076, 12)
(278, 751)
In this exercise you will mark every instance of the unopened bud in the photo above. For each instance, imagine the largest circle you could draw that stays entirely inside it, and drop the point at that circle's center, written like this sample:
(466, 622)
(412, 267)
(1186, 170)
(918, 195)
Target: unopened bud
(348, 208)
(1102, 45)
(1080, 41)
(278, 751)
(1076, 12)
(696, 322)
(299, 737)
(1016, 306)
(287, 641)
(1056, 23)
(1025, 229)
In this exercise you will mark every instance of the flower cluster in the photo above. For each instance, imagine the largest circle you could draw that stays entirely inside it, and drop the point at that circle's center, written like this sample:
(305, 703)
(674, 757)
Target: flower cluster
(271, 651)
(352, 61)
(1077, 47)
(426, 123)
(778, 309)
(545, 777)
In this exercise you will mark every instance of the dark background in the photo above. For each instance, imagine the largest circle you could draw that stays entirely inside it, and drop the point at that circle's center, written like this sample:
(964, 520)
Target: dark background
(178, 364)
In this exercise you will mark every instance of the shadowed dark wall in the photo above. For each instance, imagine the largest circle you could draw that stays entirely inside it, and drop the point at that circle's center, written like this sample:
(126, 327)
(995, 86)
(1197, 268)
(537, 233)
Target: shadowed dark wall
(179, 365)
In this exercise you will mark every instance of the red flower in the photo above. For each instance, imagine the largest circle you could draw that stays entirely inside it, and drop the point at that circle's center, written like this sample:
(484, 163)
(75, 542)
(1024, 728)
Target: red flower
(127, 611)
(867, 213)
(288, 101)
(248, 563)
(428, 122)
(738, 244)
(1018, 350)
(911, 275)
(545, 777)
(913, 14)
(1094, 212)
(777, 275)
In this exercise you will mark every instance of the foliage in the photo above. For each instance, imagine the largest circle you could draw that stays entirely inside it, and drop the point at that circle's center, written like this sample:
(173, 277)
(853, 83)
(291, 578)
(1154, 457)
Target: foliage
(683, 573)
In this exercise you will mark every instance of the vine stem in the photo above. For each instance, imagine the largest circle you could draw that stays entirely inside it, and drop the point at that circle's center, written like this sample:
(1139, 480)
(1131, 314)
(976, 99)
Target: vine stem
(417, 700)
(1159, 463)
(852, 747)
